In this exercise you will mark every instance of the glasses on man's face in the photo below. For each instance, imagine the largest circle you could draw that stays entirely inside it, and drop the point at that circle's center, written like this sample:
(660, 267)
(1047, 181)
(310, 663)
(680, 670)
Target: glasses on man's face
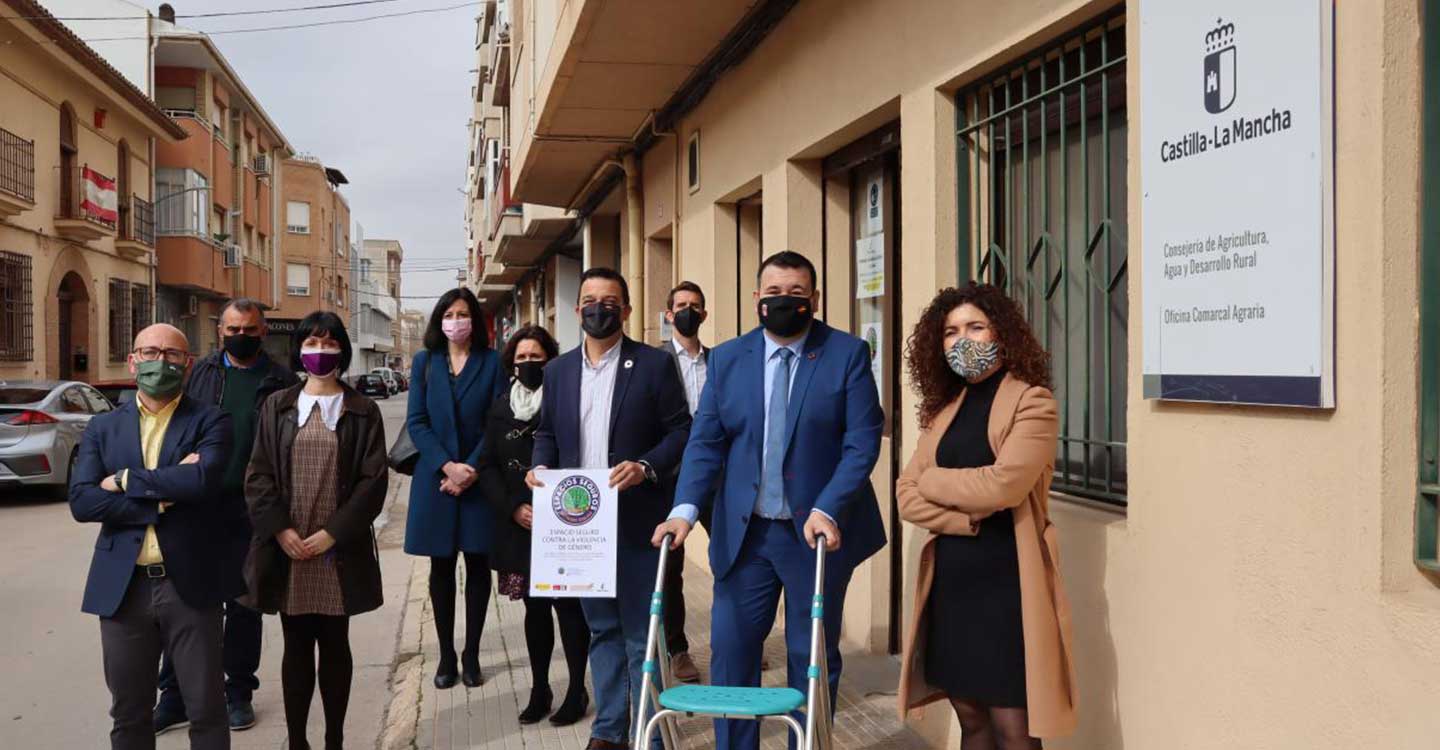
(152, 353)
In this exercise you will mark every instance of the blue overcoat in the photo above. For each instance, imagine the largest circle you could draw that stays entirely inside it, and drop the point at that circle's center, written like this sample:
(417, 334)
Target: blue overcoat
(448, 424)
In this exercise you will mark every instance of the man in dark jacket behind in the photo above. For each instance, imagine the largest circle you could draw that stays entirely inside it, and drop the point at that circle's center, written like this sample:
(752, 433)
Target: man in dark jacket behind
(236, 379)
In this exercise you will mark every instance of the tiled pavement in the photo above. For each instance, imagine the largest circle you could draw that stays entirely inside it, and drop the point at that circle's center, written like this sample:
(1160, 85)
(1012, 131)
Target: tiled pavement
(484, 717)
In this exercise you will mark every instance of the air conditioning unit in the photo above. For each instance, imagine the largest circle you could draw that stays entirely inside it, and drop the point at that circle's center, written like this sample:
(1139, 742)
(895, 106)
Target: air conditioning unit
(232, 256)
(262, 164)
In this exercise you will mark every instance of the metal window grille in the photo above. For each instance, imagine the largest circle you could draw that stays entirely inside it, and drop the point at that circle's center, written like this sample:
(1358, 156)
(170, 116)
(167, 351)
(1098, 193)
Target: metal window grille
(1042, 188)
(17, 166)
(16, 309)
(140, 317)
(1427, 507)
(120, 319)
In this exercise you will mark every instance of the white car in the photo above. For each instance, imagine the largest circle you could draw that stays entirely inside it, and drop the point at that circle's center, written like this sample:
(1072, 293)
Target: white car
(388, 375)
(41, 422)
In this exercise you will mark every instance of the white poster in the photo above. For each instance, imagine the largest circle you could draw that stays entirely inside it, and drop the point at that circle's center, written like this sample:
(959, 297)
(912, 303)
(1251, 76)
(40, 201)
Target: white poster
(870, 266)
(874, 205)
(1236, 182)
(572, 550)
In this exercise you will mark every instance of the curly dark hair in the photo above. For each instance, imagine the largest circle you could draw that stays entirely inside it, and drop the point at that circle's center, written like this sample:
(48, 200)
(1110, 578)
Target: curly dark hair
(535, 333)
(931, 376)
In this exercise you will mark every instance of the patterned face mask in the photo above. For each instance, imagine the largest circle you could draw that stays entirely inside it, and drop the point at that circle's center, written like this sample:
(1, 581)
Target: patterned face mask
(970, 359)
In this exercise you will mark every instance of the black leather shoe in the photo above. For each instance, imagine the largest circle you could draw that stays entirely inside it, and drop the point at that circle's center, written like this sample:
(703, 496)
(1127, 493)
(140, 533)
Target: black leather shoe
(539, 708)
(445, 674)
(577, 702)
(470, 673)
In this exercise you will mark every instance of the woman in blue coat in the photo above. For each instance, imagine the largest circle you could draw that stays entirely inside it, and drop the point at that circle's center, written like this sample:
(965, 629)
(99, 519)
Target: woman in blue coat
(454, 381)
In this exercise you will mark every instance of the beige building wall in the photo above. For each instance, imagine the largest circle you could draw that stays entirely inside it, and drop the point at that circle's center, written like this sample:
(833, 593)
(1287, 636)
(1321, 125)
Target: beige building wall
(325, 248)
(35, 83)
(1259, 592)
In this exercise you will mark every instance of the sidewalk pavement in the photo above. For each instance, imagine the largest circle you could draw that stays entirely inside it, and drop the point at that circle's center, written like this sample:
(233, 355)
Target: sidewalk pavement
(485, 717)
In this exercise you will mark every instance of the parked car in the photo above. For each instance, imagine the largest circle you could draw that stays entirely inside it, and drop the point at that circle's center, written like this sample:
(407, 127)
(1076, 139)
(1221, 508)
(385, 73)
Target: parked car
(372, 385)
(118, 391)
(388, 375)
(404, 381)
(40, 427)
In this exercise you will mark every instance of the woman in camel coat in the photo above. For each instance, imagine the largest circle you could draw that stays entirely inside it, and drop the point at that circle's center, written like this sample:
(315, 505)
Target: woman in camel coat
(988, 583)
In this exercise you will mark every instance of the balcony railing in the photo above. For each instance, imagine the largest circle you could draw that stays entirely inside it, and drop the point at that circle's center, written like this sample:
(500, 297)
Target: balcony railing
(137, 220)
(17, 166)
(86, 195)
(500, 203)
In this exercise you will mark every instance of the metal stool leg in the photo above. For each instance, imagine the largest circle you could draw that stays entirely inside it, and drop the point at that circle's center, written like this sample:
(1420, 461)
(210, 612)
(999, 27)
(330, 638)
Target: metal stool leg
(817, 702)
(649, 689)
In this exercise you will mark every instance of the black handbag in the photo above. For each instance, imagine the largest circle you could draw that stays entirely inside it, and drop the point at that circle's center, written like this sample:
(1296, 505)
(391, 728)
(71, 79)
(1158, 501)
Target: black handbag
(403, 453)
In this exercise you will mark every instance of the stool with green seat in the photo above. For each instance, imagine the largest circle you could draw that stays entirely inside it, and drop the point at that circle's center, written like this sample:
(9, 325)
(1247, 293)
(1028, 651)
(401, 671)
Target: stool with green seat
(756, 703)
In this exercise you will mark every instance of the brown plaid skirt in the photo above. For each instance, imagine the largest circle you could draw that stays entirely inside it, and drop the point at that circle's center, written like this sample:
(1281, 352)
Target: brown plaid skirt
(314, 587)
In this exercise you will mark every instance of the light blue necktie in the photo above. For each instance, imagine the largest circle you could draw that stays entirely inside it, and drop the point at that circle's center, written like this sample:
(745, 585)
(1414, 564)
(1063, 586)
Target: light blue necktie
(772, 487)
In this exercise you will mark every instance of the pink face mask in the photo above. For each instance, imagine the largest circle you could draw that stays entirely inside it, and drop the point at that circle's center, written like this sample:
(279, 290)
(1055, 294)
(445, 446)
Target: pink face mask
(456, 329)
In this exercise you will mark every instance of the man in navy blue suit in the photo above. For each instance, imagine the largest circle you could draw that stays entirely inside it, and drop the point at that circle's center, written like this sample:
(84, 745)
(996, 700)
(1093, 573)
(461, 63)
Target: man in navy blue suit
(789, 425)
(614, 403)
(150, 474)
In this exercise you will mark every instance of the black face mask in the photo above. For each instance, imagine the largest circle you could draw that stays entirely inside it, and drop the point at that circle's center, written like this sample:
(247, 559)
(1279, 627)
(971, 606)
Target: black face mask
(600, 320)
(530, 374)
(242, 347)
(785, 316)
(687, 322)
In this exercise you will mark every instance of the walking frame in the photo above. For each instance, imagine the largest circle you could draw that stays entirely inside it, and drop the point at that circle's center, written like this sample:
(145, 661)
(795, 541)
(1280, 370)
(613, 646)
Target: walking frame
(752, 703)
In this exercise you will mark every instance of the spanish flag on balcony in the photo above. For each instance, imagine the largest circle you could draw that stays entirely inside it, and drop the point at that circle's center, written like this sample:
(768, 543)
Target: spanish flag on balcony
(99, 200)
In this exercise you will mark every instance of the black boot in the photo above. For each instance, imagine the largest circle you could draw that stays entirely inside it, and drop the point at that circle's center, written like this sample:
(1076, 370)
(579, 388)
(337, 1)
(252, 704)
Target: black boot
(445, 674)
(539, 708)
(577, 702)
(470, 670)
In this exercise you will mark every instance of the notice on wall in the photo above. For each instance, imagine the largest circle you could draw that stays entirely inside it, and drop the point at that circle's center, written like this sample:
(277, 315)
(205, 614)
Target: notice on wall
(873, 334)
(870, 266)
(573, 539)
(1237, 178)
(874, 204)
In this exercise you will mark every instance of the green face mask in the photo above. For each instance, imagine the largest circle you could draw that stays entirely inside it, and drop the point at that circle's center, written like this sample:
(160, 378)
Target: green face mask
(158, 379)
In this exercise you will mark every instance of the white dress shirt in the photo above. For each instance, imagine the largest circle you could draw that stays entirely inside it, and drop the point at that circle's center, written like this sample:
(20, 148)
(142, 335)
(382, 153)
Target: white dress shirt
(692, 373)
(597, 390)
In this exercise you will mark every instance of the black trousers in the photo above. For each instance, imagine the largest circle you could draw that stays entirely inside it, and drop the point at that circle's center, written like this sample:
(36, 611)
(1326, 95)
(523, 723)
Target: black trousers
(675, 639)
(240, 655)
(151, 620)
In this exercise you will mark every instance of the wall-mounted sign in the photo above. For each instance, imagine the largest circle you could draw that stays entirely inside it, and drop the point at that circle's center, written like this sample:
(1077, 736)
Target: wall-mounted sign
(1237, 174)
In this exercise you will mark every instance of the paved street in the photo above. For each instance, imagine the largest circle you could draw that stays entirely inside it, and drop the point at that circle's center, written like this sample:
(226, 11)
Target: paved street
(54, 695)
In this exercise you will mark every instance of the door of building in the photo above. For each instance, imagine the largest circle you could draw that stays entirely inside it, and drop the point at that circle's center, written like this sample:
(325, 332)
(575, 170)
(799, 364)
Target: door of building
(871, 169)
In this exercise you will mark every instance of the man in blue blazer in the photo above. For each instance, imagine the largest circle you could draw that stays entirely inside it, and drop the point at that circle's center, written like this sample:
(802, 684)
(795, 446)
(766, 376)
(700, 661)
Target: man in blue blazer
(613, 403)
(150, 474)
(789, 425)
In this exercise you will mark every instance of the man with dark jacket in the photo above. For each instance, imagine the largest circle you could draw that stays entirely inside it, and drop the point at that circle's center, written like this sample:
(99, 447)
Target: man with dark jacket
(149, 473)
(237, 379)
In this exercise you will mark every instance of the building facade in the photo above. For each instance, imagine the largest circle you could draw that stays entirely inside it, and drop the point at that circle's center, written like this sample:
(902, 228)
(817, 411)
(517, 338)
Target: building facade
(316, 256)
(377, 303)
(1238, 576)
(77, 209)
(217, 191)
(412, 336)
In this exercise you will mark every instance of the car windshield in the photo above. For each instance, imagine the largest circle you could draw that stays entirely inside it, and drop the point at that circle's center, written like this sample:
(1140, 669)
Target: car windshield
(12, 396)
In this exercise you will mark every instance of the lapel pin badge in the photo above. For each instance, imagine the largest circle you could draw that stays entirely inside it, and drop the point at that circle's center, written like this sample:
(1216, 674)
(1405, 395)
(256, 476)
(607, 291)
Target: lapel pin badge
(629, 363)
(811, 355)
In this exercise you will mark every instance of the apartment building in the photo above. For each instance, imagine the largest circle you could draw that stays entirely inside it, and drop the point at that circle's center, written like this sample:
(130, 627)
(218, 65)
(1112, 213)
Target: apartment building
(316, 255)
(377, 304)
(1224, 563)
(217, 191)
(78, 143)
(523, 258)
(412, 335)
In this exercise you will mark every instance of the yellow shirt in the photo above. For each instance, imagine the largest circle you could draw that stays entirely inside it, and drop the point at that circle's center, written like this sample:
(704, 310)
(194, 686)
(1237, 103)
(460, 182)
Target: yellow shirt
(152, 435)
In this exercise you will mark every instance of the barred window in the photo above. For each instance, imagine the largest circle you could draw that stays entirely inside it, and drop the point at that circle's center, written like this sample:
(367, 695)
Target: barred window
(16, 309)
(140, 318)
(1042, 185)
(120, 320)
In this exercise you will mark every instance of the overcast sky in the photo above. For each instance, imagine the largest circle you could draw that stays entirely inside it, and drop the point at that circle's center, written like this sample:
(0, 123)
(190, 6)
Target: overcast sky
(385, 101)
